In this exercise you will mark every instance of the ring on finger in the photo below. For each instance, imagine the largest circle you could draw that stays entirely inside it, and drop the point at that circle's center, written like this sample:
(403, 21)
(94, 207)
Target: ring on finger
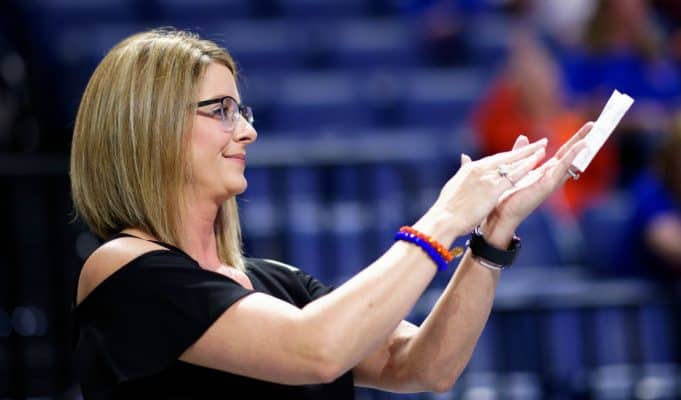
(502, 170)
(574, 175)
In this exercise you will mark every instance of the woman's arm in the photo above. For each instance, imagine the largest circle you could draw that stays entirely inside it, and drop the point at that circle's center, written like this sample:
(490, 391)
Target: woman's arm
(265, 338)
(431, 357)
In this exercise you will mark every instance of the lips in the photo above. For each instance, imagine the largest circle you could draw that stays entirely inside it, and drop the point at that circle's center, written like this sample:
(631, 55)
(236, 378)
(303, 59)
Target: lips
(239, 156)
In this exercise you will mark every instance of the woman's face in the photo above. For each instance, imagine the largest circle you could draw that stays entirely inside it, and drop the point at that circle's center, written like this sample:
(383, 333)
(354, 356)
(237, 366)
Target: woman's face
(218, 157)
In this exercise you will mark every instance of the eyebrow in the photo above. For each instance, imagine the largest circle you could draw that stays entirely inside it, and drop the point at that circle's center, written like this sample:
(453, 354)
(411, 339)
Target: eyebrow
(220, 96)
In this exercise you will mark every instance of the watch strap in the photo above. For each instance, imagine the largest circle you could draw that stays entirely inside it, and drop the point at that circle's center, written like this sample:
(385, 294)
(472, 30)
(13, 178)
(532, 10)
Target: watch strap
(490, 256)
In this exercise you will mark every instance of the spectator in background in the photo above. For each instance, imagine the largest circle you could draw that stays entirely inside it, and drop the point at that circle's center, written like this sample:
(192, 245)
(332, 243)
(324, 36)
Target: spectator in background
(656, 224)
(527, 98)
(623, 48)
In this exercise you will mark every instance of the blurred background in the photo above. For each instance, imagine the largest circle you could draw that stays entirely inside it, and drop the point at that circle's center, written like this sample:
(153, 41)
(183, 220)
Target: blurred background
(363, 108)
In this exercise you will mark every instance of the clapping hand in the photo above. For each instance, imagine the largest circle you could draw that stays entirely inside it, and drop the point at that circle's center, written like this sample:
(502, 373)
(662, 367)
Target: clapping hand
(474, 191)
(529, 192)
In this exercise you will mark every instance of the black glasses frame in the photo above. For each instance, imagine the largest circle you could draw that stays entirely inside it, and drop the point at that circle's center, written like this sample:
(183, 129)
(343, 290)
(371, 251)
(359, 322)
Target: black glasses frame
(244, 111)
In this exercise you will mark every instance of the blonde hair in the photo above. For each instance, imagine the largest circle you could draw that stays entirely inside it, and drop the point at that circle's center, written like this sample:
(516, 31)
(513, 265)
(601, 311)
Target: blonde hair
(128, 162)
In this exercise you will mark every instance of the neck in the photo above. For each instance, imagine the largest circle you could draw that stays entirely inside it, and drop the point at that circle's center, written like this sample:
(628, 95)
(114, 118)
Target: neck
(198, 234)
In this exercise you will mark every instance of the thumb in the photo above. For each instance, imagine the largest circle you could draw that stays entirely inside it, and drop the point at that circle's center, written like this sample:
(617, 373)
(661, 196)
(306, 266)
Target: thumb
(465, 159)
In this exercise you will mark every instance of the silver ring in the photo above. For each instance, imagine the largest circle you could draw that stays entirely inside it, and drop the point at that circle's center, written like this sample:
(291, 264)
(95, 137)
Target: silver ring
(573, 174)
(503, 172)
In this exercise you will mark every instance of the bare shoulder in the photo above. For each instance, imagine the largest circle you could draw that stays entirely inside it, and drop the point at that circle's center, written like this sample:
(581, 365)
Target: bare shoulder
(107, 259)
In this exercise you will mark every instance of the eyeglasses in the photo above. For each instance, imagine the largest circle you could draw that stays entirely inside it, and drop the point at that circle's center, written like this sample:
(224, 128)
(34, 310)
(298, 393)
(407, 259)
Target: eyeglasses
(227, 112)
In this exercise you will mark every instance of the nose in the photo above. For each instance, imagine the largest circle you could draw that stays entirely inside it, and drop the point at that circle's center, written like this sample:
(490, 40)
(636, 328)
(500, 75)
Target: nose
(245, 132)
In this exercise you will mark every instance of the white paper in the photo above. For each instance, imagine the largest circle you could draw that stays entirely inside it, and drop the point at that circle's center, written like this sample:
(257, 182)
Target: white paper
(612, 114)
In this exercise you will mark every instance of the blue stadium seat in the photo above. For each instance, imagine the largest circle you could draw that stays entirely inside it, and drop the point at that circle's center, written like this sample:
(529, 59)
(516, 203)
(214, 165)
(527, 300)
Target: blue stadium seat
(349, 222)
(539, 235)
(605, 226)
(259, 45)
(659, 382)
(319, 101)
(657, 334)
(195, 13)
(51, 16)
(487, 355)
(440, 98)
(331, 9)
(488, 36)
(388, 200)
(612, 342)
(260, 219)
(368, 44)
(479, 385)
(304, 222)
(565, 352)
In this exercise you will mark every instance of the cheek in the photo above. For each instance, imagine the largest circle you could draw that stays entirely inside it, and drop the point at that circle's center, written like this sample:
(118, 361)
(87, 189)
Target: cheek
(205, 142)
(203, 149)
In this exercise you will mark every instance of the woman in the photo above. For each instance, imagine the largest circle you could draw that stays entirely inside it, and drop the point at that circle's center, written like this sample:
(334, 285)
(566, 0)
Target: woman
(167, 307)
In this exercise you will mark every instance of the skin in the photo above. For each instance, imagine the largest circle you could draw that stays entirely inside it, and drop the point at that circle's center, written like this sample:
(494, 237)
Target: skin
(359, 325)
(663, 235)
(215, 178)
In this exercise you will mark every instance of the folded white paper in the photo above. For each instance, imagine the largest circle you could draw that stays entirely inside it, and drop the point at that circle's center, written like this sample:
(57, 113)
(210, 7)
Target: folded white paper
(612, 114)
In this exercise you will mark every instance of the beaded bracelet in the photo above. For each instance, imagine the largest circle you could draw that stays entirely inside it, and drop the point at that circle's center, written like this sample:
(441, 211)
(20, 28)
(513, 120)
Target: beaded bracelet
(442, 250)
(426, 246)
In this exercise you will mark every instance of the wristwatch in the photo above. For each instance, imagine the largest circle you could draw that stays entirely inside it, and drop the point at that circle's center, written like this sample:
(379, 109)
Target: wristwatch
(490, 256)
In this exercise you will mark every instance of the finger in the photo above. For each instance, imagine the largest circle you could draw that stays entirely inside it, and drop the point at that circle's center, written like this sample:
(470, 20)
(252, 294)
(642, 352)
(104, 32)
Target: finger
(465, 159)
(581, 134)
(561, 169)
(516, 154)
(547, 165)
(524, 166)
(520, 141)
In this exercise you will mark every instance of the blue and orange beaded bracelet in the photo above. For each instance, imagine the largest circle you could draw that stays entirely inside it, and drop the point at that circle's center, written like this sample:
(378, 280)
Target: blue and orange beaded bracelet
(435, 250)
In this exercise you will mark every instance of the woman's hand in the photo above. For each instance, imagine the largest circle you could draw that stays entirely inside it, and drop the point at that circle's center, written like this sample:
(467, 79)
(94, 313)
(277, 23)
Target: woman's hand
(477, 186)
(528, 193)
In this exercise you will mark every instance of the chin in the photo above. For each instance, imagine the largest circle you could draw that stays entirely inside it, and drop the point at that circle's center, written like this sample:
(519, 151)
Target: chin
(235, 188)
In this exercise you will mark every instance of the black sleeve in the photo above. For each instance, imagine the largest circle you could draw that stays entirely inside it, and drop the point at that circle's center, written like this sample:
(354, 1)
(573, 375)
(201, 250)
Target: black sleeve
(286, 282)
(314, 287)
(145, 315)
